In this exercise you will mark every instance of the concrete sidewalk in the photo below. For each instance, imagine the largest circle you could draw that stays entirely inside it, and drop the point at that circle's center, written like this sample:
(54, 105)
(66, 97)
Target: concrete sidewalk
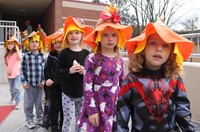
(16, 122)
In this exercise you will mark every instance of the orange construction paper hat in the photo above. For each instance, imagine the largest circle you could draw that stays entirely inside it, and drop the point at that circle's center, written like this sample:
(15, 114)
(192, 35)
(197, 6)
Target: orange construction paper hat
(39, 36)
(183, 47)
(12, 39)
(55, 36)
(75, 24)
(109, 18)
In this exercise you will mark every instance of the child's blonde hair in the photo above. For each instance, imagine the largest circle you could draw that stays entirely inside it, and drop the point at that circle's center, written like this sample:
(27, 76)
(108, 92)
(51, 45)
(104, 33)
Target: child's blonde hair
(71, 24)
(65, 43)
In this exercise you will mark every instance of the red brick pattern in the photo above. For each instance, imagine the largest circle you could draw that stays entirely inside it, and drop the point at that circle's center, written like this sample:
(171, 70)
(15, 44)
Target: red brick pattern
(54, 16)
(49, 19)
(58, 14)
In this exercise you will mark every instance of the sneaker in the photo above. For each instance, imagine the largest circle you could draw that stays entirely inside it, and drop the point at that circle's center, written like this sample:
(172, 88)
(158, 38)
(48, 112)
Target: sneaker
(12, 101)
(17, 106)
(30, 125)
(39, 121)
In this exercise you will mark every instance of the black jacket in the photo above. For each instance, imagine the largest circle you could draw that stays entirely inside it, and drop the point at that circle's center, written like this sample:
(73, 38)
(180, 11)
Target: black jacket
(51, 72)
(71, 84)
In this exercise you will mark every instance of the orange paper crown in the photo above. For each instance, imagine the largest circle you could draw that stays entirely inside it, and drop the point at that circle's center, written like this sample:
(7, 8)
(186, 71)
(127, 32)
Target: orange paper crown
(75, 24)
(183, 47)
(109, 18)
(12, 39)
(40, 36)
(55, 36)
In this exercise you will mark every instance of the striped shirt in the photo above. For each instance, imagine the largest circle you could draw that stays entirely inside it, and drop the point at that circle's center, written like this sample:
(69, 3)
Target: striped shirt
(32, 68)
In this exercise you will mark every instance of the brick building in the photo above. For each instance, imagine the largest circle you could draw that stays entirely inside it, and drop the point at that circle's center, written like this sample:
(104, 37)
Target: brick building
(58, 10)
(53, 15)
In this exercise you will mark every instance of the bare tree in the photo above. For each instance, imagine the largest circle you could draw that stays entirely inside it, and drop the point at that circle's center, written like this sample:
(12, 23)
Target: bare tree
(148, 11)
(190, 24)
(123, 7)
(139, 12)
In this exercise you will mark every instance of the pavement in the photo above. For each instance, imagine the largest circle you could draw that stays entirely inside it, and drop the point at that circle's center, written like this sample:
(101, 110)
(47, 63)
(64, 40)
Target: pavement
(16, 122)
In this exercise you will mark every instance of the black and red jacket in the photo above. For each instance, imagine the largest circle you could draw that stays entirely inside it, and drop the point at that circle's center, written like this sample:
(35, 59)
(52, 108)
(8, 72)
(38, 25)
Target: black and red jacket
(154, 102)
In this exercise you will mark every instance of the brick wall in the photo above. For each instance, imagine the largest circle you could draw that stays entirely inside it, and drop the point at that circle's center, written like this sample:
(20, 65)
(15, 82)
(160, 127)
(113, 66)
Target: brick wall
(55, 15)
(89, 17)
(58, 14)
(49, 18)
(88, 11)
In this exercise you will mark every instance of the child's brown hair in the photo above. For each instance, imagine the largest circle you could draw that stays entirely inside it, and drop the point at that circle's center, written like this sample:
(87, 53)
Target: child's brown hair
(171, 68)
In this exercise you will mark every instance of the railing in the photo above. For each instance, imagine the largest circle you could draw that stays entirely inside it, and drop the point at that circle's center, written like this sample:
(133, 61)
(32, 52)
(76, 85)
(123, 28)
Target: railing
(7, 29)
(195, 37)
(194, 58)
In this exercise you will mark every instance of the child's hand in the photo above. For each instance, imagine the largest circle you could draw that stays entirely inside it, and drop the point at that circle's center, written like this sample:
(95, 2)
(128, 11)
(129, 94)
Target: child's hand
(25, 86)
(49, 82)
(74, 69)
(41, 85)
(94, 119)
(16, 47)
(81, 70)
(8, 72)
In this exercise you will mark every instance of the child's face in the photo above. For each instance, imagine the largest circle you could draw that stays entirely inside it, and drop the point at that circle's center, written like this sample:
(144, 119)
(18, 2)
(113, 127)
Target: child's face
(34, 45)
(74, 37)
(109, 39)
(156, 52)
(11, 45)
(57, 46)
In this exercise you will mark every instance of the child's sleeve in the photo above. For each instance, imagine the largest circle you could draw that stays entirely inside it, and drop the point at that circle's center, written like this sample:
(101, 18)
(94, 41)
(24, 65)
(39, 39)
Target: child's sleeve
(43, 61)
(183, 113)
(47, 69)
(122, 75)
(23, 70)
(88, 86)
(123, 107)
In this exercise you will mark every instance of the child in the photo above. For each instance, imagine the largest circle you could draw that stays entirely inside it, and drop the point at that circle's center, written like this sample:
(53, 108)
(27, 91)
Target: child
(32, 70)
(104, 73)
(71, 68)
(12, 60)
(153, 93)
(39, 29)
(53, 105)
(29, 28)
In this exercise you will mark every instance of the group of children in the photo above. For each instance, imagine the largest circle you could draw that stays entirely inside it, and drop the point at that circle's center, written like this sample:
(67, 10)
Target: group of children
(88, 90)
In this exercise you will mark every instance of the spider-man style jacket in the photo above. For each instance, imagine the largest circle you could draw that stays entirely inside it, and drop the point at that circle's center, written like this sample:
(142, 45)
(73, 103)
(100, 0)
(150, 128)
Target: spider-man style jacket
(155, 104)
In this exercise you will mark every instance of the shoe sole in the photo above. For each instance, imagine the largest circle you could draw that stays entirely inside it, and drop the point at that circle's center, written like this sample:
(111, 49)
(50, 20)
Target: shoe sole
(17, 108)
(31, 127)
(34, 126)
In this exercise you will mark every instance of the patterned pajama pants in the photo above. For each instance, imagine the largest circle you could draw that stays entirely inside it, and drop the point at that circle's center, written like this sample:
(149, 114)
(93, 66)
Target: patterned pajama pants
(71, 110)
